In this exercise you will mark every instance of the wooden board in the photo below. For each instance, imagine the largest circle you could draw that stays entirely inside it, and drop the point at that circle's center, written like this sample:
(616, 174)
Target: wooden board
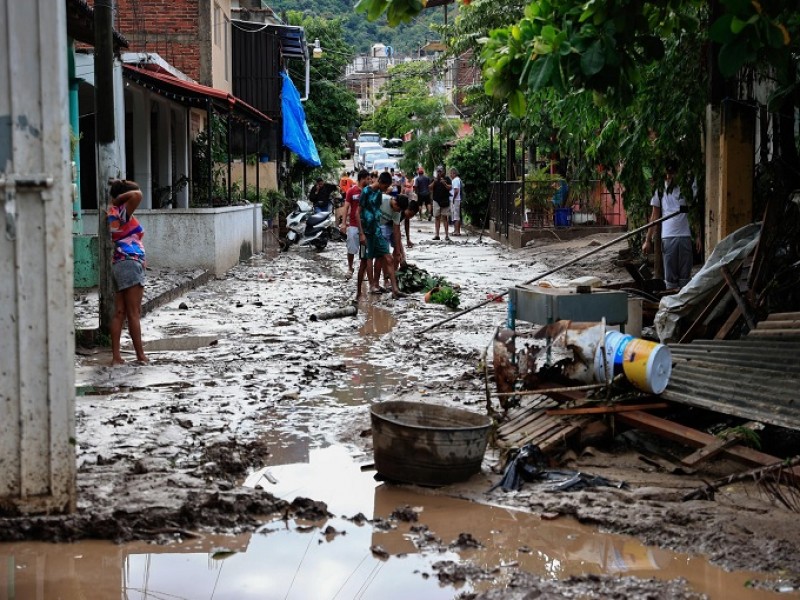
(693, 437)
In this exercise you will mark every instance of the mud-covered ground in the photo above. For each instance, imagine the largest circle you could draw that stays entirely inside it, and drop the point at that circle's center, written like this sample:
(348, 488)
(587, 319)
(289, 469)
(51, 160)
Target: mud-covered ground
(237, 367)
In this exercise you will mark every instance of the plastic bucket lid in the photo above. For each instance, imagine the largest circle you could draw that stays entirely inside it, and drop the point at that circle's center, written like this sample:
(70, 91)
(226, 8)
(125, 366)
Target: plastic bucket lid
(606, 368)
(647, 365)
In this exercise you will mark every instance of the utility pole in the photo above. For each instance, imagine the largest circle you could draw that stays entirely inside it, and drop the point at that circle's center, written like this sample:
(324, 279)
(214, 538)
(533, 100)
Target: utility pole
(106, 155)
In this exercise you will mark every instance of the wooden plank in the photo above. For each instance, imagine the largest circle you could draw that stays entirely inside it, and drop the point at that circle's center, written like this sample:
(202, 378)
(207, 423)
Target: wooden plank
(525, 437)
(555, 441)
(534, 432)
(690, 334)
(695, 438)
(709, 451)
(723, 331)
(744, 308)
(523, 422)
(715, 448)
(604, 410)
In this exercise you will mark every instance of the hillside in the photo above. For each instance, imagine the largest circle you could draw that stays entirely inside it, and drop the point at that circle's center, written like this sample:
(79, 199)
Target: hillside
(361, 33)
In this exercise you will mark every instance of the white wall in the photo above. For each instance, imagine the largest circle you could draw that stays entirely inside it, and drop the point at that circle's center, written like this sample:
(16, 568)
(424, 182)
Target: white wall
(215, 239)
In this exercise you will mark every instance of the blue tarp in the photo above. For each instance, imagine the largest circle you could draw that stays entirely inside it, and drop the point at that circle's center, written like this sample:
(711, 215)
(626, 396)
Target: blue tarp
(296, 136)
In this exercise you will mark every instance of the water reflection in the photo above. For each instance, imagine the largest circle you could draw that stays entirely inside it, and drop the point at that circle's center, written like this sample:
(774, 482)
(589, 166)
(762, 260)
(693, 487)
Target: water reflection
(287, 559)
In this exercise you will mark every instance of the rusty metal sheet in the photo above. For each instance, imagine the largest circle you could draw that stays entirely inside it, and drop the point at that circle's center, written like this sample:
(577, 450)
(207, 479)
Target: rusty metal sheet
(751, 378)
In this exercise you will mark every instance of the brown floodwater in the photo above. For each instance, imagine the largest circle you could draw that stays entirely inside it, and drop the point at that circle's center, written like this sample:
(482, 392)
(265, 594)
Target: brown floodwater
(286, 560)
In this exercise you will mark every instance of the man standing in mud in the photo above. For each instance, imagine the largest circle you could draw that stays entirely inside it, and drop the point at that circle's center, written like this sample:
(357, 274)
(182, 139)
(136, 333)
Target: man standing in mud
(377, 249)
(350, 223)
(422, 188)
(440, 192)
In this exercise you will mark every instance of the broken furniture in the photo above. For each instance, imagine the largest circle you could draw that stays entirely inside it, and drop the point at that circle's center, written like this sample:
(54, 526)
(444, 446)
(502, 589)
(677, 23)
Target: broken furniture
(544, 305)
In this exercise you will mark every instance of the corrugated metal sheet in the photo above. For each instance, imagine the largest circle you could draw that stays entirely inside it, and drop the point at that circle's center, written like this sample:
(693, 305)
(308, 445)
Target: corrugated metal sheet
(755, 378)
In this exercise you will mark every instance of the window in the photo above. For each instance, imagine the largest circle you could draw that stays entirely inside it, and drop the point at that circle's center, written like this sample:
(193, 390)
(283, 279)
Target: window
(217, 24)
(226, 49)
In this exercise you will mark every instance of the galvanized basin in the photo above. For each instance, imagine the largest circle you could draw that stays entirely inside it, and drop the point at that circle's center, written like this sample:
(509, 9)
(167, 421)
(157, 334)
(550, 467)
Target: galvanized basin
(426, 444)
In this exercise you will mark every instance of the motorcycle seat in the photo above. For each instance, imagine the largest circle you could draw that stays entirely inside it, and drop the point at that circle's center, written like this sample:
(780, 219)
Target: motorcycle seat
(318, 218)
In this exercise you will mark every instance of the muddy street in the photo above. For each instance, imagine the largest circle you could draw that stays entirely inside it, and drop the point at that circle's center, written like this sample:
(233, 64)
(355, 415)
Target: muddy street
(244, 449)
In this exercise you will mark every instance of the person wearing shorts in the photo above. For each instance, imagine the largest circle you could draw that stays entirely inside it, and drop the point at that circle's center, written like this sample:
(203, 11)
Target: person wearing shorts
(127, 267)
(351, 219)
(422, 189)
(440, 191)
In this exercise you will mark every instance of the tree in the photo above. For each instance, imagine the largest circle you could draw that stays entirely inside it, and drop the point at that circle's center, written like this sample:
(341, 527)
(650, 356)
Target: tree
(331, 109)
(472, 156)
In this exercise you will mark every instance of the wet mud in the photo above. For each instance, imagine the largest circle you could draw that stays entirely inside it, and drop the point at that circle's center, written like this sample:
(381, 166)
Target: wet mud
(163, 449)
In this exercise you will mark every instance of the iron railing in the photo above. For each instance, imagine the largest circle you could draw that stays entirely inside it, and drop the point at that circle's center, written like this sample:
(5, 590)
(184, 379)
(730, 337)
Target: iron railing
(595, 208)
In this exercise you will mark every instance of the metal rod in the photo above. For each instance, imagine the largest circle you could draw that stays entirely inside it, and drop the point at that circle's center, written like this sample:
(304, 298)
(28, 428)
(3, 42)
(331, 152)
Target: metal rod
(558, 268)
(574, 388)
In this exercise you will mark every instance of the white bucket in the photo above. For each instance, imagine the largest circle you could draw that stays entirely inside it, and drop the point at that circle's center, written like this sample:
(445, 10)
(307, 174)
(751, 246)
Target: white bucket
(609, 357)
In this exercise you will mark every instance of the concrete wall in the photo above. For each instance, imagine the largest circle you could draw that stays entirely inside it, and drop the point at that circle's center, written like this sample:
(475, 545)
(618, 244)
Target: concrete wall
(215, 239)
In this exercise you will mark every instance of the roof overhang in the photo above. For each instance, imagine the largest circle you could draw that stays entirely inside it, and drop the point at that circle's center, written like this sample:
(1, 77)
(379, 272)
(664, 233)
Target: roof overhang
(80, 24)
(292, 38)
(190, 93)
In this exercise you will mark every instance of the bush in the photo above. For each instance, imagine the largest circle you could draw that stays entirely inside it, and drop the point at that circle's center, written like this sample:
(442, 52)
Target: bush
(472, 156)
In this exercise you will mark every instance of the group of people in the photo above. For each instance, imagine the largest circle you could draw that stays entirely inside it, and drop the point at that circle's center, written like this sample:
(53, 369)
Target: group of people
(373, 214)
(441, 198)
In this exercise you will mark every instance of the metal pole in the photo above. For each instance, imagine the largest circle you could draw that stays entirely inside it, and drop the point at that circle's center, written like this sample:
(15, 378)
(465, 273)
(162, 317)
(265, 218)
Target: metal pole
(229, 156)
(210, 151)
(491, 179)
(244, 159)
(559, 267)
(105, 134)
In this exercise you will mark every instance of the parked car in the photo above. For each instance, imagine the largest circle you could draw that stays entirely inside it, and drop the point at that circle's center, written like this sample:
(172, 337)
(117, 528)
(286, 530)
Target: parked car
(366, 137)
(385, 164)
(371, 157)
(362, 151)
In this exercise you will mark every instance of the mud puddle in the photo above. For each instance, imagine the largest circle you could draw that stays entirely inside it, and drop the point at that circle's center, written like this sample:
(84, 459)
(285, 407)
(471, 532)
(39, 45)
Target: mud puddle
(386, 554)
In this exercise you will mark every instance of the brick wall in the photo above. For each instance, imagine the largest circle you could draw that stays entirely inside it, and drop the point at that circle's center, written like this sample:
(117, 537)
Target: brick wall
(172, 28)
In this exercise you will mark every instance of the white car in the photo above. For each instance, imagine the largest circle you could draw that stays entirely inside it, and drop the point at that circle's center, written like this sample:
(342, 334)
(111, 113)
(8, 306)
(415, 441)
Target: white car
(363, 149)
(385, 164)
(371, 157)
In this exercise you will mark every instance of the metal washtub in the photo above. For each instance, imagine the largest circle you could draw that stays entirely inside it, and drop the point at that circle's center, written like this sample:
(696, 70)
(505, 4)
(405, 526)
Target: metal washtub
(427, 444)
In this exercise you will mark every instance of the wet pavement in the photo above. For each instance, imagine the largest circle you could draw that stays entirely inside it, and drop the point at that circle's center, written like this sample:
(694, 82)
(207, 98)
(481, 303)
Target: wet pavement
(245, 394)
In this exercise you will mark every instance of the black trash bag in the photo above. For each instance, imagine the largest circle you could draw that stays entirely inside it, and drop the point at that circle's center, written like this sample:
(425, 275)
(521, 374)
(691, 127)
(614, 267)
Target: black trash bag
(529, 464)
(525, 464)
(572, 481)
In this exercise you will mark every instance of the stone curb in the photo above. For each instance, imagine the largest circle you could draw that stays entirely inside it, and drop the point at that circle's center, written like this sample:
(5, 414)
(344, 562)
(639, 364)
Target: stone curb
(89, 337)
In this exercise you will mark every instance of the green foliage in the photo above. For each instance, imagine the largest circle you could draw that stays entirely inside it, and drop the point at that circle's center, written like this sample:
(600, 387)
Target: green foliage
(447, 296)
(273, 202)
(539, 188)
(360, 32)
(218, 157)
(412, 279)
(472, 156)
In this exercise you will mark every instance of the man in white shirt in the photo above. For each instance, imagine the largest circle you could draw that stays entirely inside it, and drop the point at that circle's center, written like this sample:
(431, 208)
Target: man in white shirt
(455, 200)
(676, 235)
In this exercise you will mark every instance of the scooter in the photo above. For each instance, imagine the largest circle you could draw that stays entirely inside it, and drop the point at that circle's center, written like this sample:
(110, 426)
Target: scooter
(309, 228)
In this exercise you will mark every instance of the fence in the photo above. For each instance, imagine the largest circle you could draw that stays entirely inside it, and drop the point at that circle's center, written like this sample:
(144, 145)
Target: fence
(591, 206)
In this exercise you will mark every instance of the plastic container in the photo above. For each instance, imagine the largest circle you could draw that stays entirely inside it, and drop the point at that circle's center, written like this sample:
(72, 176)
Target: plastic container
(607, 368)
(647, 365)
(562, 217)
